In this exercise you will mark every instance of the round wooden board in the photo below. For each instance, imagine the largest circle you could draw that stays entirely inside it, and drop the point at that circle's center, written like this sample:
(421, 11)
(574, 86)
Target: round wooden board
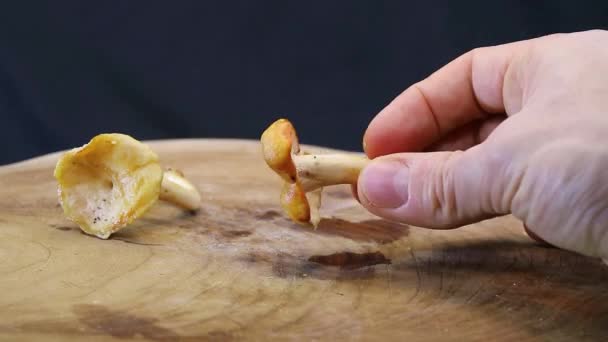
(239, 269)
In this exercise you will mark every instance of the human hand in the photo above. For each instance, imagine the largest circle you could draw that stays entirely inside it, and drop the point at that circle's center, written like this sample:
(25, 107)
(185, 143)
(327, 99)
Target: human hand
(518, 129)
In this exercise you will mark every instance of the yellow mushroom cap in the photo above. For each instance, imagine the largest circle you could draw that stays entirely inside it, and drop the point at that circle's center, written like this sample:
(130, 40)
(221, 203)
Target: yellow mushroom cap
(295, 203)
(279, 144)
(107, 183)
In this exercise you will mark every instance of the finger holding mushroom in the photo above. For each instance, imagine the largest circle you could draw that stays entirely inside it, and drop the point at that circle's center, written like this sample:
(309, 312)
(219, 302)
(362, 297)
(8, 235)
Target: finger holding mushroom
(108, 183)
(305, 174)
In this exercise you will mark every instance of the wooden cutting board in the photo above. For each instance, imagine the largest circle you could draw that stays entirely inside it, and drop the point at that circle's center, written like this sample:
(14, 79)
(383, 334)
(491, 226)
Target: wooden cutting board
(239, 269)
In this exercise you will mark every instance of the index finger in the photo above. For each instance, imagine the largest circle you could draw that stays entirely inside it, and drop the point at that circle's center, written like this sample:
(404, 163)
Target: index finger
(468, 88)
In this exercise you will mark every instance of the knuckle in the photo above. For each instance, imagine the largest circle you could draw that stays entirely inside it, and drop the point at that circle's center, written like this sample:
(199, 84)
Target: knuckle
(440, 192)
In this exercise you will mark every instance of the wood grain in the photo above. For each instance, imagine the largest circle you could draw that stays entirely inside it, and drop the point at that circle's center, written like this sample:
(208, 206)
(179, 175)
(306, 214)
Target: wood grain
(239, 270)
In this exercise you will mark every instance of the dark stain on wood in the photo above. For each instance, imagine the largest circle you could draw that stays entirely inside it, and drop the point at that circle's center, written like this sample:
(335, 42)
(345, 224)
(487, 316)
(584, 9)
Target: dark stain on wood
(349, 260)
(370, 230)
(268, 215)
(287, 266)
(62, 227)
(246, 214)
(110, 323)
(525, 257)
(546, 286)
(233, 234)
(65, 228)
(120, 324)
(136, 242)
(222, 231)
(191, 213)
(225, 230)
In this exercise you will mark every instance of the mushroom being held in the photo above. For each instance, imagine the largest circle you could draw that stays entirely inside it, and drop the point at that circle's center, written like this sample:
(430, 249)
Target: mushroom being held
(111, 181)
(305, 174)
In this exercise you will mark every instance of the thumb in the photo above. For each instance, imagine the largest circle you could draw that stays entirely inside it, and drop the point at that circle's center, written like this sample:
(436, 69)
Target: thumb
(434, 190)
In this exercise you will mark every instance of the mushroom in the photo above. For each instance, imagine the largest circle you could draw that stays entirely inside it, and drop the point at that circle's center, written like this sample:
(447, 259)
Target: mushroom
(305, 174)
(112, 180)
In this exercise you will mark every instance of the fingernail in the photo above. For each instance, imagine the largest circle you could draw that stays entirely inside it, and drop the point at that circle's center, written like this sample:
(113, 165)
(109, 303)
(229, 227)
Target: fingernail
(385, 184)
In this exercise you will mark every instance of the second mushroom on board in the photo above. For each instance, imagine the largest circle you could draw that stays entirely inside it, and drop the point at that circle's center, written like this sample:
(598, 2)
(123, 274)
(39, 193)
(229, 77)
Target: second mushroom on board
(114, 179)
(304, 175)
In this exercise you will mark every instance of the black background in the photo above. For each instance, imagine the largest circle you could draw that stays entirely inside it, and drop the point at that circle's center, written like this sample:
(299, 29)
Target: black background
(171, 69)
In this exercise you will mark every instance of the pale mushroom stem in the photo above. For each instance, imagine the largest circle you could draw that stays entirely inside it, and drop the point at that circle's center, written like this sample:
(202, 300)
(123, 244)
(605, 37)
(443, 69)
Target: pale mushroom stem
(319, 170)
(314, 202)
(176, 189)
